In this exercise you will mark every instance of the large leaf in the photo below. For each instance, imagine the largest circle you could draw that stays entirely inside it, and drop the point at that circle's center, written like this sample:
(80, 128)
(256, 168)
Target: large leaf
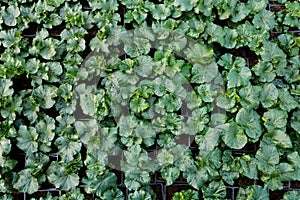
(186, 194)
(10, 15)
(140, 195)
(249, 167)
(230, 37)
(46, 129)
(116, 194)
(5, 89)
(275, 119)
(227, 101)
(272, 53)
(196, 177)
(281, 139)
(86, 130)
(88, 104)
(294, 158)
(55, 3)
(100, 184)
(170, 174)
(27, 139)
(233, 135)
(108, 137)
(295, 122)
(5, 147)
(241, 12)
(291, 195)
(268, 158)
(207, 92)
(268, 95)
(95, 162)
(249, 96)
(251, 123)
(215, 190)
(265, 71)
(264, 19)
(287, 101)
(184, 5)
(238, 77)
(199, 54)
(46, 94)
(62, 177)
(197, 122)
(208, 141)
(204, 73)
(67, 148)
(254, 192)
(26, 182)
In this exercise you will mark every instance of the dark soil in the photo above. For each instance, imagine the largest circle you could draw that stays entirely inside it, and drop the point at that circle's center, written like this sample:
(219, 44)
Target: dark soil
(276, 8)
(243, 181)
(276, 195)
(55, 31)
(158, 189)
(252, 62)
(295, 184)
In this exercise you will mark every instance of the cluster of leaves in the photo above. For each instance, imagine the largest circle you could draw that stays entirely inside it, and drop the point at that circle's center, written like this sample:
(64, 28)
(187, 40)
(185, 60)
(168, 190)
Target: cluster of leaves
(191, 84)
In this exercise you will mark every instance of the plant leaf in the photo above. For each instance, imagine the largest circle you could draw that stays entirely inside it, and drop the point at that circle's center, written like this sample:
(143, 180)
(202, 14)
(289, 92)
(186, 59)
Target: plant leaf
(251, 122)
(268, 95)
(268, 158)
(26, 182)
(275, 119)
(233, 135)
(27, 139)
